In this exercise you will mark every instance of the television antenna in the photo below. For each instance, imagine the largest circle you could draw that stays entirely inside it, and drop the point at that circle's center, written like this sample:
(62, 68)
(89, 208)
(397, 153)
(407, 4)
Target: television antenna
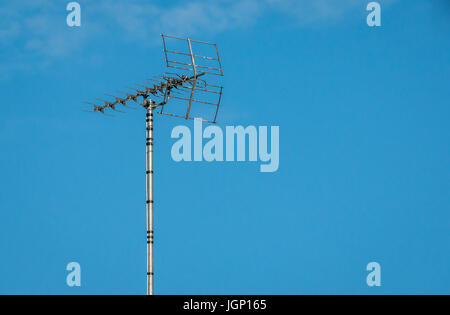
(188, 87)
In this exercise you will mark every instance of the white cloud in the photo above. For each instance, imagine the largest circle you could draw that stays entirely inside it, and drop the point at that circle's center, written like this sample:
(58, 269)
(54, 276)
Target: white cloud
(37, 28)
(209, 17)
(307, 11)
(137, 20)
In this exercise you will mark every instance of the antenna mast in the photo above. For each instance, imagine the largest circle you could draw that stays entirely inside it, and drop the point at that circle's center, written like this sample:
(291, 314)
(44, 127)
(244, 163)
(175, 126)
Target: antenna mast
(189, 88)
(150, 201)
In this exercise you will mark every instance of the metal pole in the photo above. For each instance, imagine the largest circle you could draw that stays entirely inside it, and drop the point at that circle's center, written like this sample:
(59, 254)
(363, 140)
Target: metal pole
(149, 175)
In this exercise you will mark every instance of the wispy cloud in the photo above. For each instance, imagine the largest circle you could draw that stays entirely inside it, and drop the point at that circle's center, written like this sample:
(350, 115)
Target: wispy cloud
(137, 20)
(208, 16)
(36, 29)
(306, 11)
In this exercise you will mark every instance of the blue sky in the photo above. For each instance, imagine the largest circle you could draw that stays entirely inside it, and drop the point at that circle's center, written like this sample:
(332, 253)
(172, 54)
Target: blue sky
(364, 133)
